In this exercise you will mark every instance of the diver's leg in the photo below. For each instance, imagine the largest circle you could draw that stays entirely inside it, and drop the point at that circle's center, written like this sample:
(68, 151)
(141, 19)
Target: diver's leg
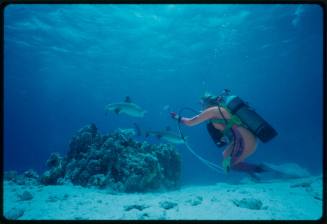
(228, 150)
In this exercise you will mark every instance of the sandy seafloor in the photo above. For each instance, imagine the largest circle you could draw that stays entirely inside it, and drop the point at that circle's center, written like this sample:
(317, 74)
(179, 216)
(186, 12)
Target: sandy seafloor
(299, 199)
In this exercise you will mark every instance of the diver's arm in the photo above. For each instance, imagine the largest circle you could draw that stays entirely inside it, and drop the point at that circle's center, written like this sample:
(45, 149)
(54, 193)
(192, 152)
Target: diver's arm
(210, 113)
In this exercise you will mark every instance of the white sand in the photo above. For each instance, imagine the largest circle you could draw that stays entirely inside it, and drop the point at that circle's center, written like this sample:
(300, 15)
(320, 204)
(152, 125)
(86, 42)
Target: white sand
(299, 199)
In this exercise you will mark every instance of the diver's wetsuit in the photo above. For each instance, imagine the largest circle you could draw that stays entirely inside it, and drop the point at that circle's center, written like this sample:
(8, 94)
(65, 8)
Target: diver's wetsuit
(237, 151)
(238, 148)
(210, 114)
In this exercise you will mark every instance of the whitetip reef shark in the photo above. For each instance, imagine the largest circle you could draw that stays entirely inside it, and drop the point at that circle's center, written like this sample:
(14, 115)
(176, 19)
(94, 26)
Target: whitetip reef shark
(166, 135)
(127, 107)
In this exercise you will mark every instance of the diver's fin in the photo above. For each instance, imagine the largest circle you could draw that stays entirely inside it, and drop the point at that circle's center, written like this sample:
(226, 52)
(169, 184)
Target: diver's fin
(117, 110)
(127, 99)
(138, 129)
(168, 128)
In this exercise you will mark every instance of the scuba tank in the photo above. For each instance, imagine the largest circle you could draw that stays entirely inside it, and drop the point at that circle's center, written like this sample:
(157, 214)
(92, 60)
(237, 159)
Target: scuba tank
(217, 136)
(251, 119)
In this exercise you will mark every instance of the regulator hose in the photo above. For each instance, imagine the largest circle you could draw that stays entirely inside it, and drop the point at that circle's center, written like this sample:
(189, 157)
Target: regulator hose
(209, 164)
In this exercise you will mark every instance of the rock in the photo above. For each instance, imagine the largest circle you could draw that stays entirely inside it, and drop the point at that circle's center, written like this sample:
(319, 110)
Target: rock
(51, 177)
(65, 197)
(14, 213)
(56, 165)
(29, 177)
(135, 206)
(313, 186)
(81, 142)
(214, 199)
(195, 201)
(31, 174)
(303, 184)
(26, 196)
(80, 218)
(163, 216)
(55, 160)
(317, 189)
(98, 180)
(249, 203)
(143, 216)
(52, 198)
(63, 181)
(10, 175)
(168, 204)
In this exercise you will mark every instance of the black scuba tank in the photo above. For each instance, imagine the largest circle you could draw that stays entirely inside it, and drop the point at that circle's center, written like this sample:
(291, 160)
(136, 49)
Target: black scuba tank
(217, 136)
(254, 122)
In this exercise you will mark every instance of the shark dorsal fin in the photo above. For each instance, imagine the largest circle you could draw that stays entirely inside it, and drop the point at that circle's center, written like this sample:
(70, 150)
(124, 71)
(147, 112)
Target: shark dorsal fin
(127, 99)
(168, 128)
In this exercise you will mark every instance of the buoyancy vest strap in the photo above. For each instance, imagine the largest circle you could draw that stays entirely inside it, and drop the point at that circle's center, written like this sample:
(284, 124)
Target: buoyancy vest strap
(234, 120)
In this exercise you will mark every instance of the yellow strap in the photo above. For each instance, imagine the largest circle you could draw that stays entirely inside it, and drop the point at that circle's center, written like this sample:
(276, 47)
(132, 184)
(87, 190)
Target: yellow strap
(230, 122)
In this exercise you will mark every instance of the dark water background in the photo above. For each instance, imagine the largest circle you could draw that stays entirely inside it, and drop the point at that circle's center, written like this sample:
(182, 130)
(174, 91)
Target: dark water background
(64, 63)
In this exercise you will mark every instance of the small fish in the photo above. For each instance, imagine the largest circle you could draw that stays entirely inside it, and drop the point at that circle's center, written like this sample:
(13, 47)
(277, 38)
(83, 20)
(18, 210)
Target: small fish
(166, 135)
(126, 107)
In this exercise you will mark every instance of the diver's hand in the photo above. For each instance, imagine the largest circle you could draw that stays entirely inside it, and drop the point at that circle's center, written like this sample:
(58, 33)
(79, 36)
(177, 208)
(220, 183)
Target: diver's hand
(175, 116)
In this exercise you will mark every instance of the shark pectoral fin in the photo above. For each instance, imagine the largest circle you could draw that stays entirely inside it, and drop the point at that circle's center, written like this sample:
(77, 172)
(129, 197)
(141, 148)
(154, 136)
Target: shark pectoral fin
(117, 110)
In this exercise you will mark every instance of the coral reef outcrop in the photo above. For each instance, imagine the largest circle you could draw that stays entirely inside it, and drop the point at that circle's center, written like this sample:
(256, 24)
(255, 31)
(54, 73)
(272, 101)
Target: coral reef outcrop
(114, 161)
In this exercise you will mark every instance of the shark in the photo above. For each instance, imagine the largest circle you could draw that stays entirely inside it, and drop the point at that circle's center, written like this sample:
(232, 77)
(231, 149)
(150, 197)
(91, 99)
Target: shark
(127, 107)
(166, 135)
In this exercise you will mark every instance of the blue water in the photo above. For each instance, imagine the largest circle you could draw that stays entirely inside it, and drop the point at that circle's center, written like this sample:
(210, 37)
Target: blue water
(64, 63)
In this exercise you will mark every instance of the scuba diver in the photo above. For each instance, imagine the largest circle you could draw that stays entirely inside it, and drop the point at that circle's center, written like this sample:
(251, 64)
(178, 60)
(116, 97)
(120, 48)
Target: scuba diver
(232, 124)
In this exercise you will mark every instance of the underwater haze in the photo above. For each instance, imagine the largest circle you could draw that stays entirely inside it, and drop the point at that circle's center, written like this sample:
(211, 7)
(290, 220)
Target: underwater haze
(64, 63)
